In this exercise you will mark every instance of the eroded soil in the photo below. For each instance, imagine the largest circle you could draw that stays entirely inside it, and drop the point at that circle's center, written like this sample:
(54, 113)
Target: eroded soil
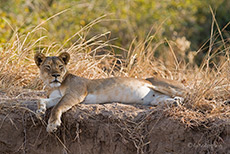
(104, 129)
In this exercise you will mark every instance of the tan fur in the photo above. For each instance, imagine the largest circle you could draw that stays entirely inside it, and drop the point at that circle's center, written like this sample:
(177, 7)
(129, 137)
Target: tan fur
(67, 90)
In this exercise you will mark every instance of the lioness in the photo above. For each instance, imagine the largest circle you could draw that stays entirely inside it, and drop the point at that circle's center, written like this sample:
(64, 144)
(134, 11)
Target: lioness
(67, 90)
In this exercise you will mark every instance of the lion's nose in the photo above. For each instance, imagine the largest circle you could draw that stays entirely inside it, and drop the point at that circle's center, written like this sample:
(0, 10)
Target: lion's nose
(55, 75)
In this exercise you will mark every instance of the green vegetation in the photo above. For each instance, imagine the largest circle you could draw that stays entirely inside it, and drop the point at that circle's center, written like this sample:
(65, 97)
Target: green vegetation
(126, 20)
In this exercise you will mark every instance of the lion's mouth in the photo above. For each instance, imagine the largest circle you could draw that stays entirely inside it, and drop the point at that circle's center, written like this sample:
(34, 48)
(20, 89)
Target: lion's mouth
(55, 81)
(55, 84)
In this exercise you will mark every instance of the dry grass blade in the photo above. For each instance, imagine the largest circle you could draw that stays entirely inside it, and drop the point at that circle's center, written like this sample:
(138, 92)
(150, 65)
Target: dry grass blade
(218, 28)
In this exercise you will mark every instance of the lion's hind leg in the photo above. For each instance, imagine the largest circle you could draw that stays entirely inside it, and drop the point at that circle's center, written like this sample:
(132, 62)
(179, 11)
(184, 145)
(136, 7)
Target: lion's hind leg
(164, 99)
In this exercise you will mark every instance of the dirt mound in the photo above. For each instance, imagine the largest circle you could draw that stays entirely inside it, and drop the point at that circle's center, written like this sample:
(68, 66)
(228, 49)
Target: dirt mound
(107, 129)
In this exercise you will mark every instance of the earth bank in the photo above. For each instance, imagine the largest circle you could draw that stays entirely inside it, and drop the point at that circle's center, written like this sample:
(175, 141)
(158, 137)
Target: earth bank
(106, 129)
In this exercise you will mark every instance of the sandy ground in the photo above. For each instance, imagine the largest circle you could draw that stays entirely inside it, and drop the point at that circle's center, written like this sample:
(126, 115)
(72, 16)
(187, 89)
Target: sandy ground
(103, 129)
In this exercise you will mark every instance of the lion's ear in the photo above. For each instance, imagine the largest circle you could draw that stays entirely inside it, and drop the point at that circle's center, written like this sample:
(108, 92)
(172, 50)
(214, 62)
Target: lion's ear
(39, 58)
(64, 56)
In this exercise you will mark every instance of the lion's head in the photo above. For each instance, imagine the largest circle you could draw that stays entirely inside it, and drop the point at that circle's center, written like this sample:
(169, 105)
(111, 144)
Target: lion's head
(52, 69)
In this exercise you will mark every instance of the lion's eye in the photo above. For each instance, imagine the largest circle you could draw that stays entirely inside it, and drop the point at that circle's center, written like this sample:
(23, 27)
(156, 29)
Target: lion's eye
(61, 67)
(47, 67)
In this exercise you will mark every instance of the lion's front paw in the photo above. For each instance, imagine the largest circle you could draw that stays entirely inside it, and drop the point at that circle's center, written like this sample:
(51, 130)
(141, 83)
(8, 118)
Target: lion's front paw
(41, 107)
(52, 126)
(40, 111)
